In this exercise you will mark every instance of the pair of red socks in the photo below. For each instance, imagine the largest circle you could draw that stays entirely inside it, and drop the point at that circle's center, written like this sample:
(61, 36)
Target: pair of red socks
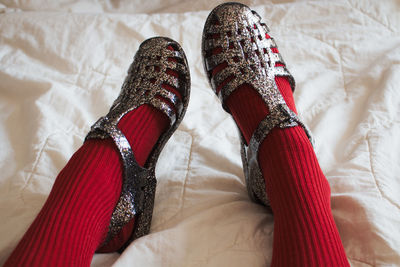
(74, 220)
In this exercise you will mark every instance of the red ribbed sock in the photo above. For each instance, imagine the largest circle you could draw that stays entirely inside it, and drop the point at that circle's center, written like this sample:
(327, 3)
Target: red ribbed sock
(305, 233)
(74, 220)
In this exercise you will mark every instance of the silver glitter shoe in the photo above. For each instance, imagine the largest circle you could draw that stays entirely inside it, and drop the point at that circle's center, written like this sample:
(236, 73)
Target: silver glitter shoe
(236, 51)
(154, 66)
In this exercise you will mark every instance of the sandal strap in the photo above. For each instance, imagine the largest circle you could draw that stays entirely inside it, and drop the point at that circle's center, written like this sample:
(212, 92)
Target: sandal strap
(280, 116)
(135, 177)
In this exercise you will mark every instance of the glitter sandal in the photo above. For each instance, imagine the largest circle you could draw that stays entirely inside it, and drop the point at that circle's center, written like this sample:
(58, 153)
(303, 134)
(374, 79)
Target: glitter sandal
(236, 50)
(160, 62)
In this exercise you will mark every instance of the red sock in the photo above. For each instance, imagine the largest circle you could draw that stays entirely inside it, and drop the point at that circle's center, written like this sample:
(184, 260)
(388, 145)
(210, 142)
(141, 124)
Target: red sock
(74, 220)
(305, 233)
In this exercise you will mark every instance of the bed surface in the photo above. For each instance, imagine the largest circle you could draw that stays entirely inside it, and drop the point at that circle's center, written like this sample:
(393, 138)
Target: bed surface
(62, 64)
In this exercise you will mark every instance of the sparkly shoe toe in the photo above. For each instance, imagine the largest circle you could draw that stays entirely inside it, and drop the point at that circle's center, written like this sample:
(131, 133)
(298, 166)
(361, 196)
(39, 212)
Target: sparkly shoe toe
(237, 50)
(158, 64)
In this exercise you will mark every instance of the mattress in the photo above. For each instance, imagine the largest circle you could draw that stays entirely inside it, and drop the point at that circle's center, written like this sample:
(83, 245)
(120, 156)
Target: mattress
(62, 64)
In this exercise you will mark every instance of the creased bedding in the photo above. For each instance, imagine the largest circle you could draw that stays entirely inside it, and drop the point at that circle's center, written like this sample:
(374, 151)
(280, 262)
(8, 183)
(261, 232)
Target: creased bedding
(62, 64)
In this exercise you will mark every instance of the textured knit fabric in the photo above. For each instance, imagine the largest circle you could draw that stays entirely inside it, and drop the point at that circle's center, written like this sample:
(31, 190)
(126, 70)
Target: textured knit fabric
(305, 233)
(74, 220)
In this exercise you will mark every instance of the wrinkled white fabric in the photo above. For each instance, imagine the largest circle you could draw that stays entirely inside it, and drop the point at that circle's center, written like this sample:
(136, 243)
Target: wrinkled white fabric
(62, 64)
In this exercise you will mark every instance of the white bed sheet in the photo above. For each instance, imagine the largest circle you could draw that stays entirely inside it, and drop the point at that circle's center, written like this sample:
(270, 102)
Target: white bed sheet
(62, 64)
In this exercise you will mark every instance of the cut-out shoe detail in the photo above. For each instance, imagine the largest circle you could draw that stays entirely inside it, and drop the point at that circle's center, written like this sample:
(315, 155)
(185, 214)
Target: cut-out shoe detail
(237, 50)
(155, 67)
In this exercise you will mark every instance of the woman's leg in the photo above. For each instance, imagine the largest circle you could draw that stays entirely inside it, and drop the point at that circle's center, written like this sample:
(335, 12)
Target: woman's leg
(74, 220)
(305, 233)
(246, 71)
(93, 203)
